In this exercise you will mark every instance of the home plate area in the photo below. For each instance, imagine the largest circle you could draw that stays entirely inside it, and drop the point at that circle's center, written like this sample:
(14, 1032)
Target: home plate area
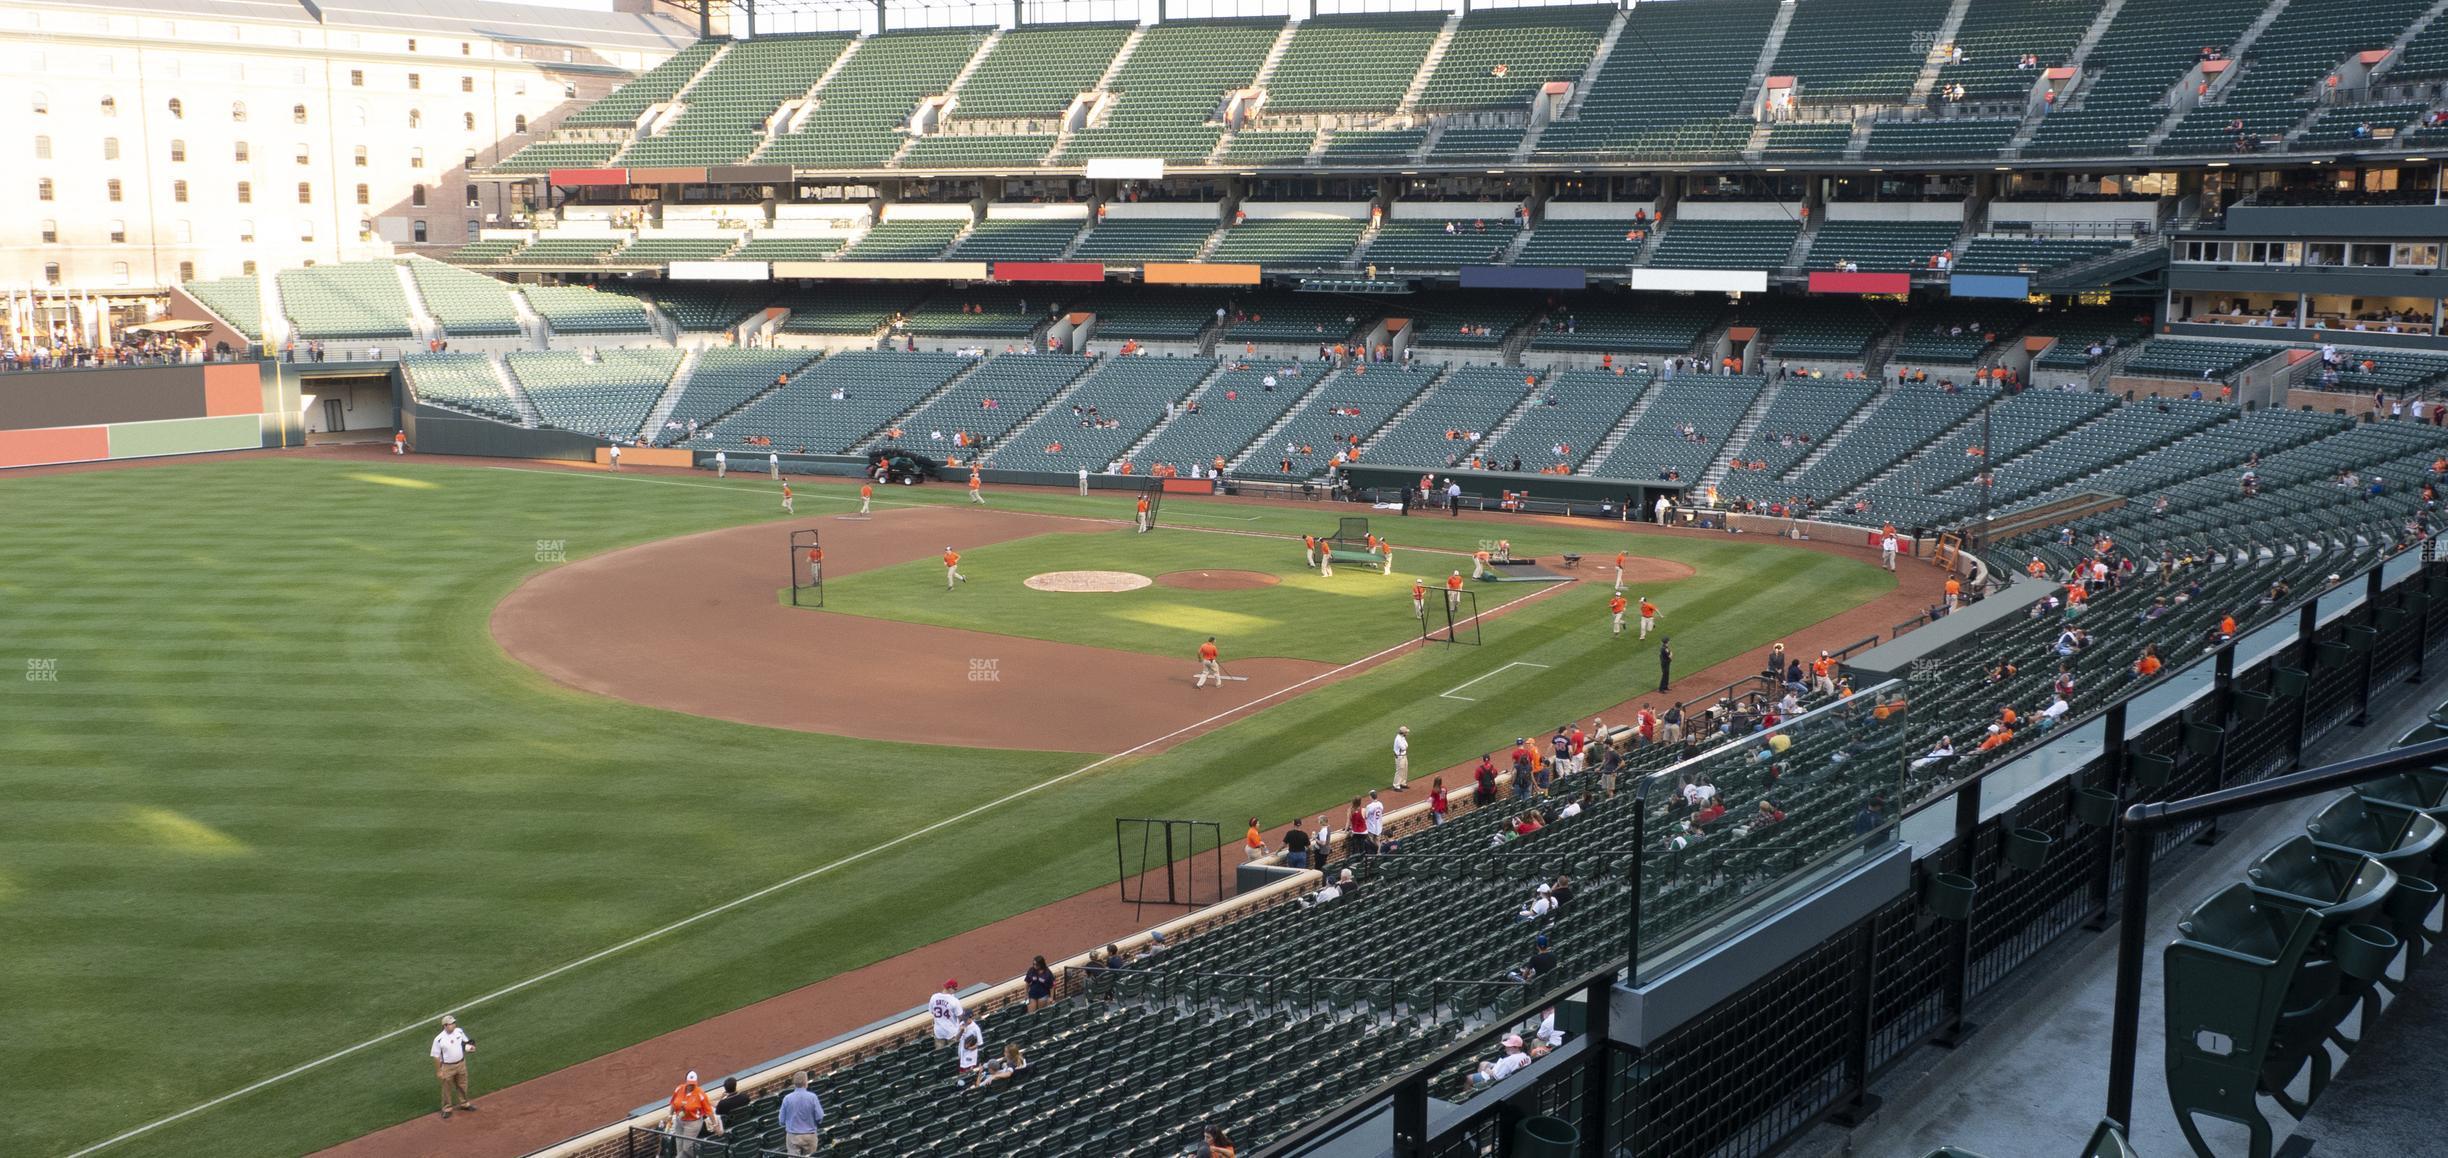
(1090, 581)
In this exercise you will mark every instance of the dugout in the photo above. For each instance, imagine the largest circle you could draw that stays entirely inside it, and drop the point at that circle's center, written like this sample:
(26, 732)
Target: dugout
(1550, 493)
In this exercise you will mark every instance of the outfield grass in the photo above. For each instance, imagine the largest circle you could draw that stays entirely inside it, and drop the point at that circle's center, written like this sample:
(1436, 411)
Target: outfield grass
(1305, 615)
(285, 795)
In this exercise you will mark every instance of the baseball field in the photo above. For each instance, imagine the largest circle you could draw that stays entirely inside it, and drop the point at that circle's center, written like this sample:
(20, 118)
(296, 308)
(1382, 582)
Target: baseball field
(306, 752)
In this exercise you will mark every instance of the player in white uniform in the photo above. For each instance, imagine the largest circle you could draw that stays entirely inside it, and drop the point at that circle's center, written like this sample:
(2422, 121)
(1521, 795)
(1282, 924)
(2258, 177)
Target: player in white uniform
(972, 1040)
(722, 464)
(946, 1009)
(773, 465)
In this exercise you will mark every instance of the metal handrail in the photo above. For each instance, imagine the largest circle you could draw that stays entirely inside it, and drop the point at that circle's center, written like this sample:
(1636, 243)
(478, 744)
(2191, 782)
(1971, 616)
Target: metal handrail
(2143, 821)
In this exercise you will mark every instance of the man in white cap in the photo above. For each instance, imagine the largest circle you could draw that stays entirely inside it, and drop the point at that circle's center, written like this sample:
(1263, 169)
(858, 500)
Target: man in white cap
(450, 1050)
(692, 1115)
(945, 1007)
(1402, 759)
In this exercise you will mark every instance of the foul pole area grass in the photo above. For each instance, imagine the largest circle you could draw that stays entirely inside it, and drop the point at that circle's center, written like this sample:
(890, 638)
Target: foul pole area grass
(281, 793)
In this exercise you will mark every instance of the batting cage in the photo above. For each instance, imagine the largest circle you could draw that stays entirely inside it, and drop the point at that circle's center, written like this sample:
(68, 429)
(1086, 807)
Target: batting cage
(1353, 530)
(1169, 862)
(1451, 617)
(806, 568)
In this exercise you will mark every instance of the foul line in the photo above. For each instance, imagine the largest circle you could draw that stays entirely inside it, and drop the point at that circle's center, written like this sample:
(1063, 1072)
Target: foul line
(1448, 693)
(768, 890)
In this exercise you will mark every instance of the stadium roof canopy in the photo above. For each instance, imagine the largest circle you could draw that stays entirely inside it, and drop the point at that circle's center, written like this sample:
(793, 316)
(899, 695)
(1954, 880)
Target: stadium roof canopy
(473, 19)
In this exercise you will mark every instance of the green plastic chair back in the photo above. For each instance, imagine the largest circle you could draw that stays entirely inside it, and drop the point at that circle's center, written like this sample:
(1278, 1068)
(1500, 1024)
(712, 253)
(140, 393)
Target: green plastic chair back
(2409, 843)
(2228, 973)
(2412, 791)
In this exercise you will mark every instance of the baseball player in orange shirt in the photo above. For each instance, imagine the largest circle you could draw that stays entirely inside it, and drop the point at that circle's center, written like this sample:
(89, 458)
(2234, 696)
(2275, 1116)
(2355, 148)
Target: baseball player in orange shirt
(1326, 559)
(815, 565)
(952, 573)
(1207, 665)
(1143, 514)
(1615, 607)
(1309, 549)
(1619, 568)
(1453, 592)
(976, 495)
(1479, 563)
(866, 496)
(1954, 592)
(1648, 612)
(786, 501)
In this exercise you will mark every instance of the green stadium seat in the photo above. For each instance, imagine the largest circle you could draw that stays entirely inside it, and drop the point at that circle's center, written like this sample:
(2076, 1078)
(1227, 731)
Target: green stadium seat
(861, 116)
(350, 301)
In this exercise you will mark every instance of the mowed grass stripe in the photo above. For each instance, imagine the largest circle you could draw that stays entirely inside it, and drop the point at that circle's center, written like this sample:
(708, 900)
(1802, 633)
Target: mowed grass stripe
(474, 784)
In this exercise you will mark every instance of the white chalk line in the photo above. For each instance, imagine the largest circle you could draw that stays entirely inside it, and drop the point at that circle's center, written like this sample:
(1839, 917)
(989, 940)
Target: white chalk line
(747, 898)
(1449, 692)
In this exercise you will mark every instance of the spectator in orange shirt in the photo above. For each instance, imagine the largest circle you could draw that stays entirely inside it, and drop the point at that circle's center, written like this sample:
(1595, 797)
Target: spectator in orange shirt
(2148, 665)
(692, 1116)
(1954, 592)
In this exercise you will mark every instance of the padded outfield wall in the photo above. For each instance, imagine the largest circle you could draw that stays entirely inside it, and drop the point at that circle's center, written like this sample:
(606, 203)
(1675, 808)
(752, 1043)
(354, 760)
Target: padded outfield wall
(96, 415)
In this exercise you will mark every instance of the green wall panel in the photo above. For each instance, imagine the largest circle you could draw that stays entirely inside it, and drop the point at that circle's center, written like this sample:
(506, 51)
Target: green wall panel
(186, 436)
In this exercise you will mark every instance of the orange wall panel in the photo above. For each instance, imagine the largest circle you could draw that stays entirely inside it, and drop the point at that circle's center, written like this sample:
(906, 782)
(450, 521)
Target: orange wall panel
(56, 444)
(232, 389)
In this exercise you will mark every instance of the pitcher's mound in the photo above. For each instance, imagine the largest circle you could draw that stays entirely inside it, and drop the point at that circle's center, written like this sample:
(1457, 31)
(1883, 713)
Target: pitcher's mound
(1217, 580)
(1087, 581)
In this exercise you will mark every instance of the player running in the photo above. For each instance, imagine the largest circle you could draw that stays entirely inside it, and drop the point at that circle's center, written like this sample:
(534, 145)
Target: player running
(1208, 665)
(787, 508)
(952, 575)
(1615, 607)
(1648, 612)
(976, 495)
(1619, 569)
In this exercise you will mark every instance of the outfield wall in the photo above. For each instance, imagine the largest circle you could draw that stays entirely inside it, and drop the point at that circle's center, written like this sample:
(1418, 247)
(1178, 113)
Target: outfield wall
(105, 413)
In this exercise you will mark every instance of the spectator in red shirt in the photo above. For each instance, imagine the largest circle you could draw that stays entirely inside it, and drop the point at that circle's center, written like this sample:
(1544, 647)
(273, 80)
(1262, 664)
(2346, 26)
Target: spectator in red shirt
(1436, 801)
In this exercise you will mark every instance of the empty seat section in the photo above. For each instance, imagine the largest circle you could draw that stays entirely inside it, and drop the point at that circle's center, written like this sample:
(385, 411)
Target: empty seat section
(710, 307)
(985, 405)
(1298, 318)
(1958, 331)
(459, 382)
(846, 309)
(1906, 420)
(1456, 418)
(1589, 244)
(2284, 71)
(607, 397)
(467, 304)
(978, 310)
(2146, 49)
(1808, 328)
(1353, 404)
(1888, 246)
(2078, 333)
(1033, 73)
(552, 249)
(1476, 145)
(1689, 418)
(350, 301)
(659, 251)
(2349, 124)
(1356, 145)
(1121, 400)
(622, 106)
(1139, 239)
(1798, 420)
(1230, 415)
(787, 249)
(1152, 316)
(1404, 245)
(2006, 253)
(1017, 239)
(1690, 244)
(1857, 51)
(1258, 147)
(571, 309)
(1634, 108)
(1570, 413)
(1340, 64)
(1994, 37)
(1808, 139)
(977, 151)
(1499, 59)
(1939, 140)
(862, 114)
(2187, 358)
(916, 239)
(1172, 86)
(806, 416)
(542, 156)
(485, 252)
(1291, 241)
(1636, 324)
(2016, 424)
(726, 377)
(236, 300)
(725, 112)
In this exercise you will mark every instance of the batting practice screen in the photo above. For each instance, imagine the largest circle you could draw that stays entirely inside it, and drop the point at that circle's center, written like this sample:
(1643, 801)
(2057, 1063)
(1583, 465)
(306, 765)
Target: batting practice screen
(1451, 617)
